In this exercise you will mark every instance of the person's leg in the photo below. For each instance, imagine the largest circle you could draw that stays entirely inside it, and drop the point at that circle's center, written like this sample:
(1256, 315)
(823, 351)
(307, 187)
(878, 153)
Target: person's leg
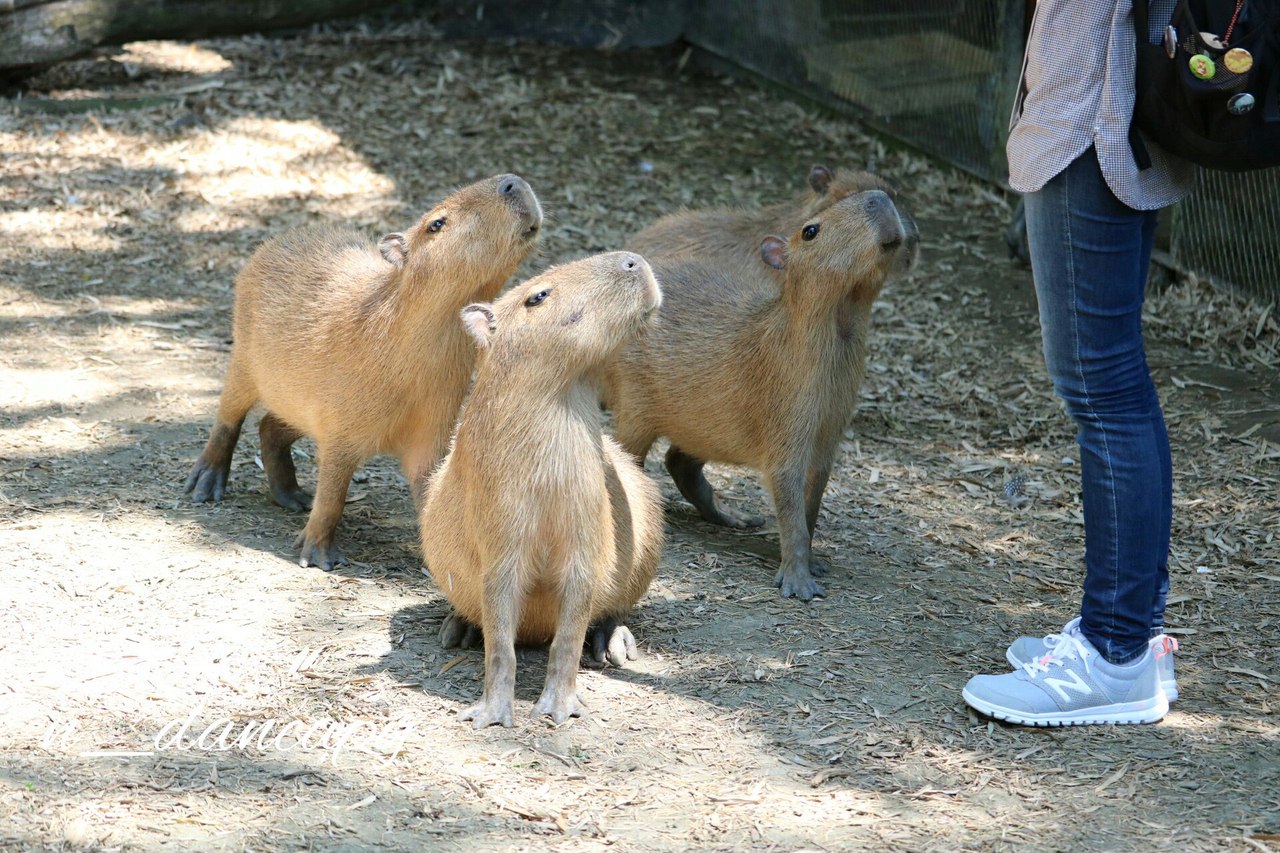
(1089, 255)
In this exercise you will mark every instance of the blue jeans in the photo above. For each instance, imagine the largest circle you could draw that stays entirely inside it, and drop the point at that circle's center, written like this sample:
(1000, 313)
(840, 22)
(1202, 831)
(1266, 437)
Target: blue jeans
(1089, 257)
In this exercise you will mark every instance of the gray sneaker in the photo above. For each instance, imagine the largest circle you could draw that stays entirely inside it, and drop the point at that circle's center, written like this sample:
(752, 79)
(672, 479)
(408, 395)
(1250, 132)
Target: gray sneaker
(1071, 685)
(1026, 649)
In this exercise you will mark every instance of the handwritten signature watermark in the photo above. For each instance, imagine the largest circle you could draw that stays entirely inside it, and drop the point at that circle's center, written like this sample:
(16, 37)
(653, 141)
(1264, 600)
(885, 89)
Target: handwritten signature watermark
(192, 734)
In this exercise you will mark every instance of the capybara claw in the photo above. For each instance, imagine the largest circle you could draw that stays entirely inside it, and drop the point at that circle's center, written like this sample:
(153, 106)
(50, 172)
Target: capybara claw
(326, 556)
(798, 584)
(485, 713)
(609, 643)
(616, 648)
(559, 708)
(739, 521)
(296, 499)
(459, 633)
(206, 482)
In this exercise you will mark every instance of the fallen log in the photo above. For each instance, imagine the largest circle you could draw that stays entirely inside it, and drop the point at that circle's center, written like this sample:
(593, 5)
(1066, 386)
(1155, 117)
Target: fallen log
(37, 33)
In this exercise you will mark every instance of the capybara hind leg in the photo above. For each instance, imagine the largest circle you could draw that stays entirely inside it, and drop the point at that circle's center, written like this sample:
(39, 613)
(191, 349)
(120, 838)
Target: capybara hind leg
(609, 641)
(316, 546)
(500, 617)
(794, 577)
(814, 485)
(276, 438)
(686, 471)
(559, 697)
(459, 633)
(208, 478)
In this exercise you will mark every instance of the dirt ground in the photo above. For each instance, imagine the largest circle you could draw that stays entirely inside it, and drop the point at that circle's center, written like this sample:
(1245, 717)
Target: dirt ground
(142, 637)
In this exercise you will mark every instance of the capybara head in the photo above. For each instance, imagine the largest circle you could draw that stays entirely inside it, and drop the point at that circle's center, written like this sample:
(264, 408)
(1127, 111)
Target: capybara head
(863, 239)
(574, 315)
(481, 232)
(828, 187)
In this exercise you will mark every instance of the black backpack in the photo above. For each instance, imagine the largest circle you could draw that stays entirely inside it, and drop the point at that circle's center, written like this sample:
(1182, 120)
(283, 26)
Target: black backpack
(1209, 89)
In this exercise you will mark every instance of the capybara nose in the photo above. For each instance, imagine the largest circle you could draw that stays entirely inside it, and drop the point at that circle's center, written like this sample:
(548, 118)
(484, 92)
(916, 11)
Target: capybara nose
(510, 184)
(629, 261)
(876, 202)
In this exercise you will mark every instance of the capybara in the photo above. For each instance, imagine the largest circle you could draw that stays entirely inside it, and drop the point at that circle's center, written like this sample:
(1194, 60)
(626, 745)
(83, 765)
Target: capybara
(729, 238)
(363, 355)
(536, 523)
(763, 376)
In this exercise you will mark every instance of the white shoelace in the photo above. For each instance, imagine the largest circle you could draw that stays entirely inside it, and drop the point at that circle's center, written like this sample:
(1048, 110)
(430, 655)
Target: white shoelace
(1062, 647)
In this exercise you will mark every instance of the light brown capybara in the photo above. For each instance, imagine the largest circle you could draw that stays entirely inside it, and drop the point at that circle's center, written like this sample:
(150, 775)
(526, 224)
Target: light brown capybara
(363, 355)
(728, 238)
(763, 376)
(537, 524)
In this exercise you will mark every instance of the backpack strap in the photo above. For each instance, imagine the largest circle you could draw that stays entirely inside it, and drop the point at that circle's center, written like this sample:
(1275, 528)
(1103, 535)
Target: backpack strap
(1141, 156)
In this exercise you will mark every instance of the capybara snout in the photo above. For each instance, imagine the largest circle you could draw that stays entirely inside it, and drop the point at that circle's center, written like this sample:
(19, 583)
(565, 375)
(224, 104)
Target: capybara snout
(517, 193)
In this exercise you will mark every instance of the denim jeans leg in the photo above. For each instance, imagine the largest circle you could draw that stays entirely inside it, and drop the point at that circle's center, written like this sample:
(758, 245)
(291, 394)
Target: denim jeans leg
(1089, 256)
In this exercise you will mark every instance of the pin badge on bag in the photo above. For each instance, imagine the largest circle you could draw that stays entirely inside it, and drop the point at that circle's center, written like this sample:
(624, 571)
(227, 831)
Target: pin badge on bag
(1240, 103)
(1202, 67)
(1211, 41)
(1238, 60)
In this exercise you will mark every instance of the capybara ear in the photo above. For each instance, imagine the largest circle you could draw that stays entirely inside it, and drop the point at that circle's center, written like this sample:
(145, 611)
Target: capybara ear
(394, 247)
(480, 322)
(820, 178)
(773, 251)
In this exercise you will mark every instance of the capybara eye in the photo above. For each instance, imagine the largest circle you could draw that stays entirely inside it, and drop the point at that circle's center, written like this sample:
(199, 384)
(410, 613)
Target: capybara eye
(810, 231)
(537, 298)
(436, 225)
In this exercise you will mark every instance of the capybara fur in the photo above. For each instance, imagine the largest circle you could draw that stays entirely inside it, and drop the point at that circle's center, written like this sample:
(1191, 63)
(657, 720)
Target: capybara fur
(537, 524)
(362, 355)
(728, 238)
(763, 375)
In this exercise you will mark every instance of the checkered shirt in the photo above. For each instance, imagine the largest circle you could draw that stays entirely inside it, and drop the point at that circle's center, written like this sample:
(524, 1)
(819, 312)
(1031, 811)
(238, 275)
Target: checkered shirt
(1078, 76)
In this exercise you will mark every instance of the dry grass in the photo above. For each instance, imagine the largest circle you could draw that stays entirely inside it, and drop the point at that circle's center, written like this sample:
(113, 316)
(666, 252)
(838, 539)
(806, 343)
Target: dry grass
(751, 722)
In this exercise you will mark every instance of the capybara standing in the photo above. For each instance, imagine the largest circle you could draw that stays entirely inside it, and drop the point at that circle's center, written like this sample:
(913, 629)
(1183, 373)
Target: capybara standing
(536, 524)
(728, 238)
(364, 356)
(763, 376)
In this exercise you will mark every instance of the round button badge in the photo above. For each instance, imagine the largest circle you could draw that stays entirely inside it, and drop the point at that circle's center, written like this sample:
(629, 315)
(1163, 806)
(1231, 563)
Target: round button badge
(1238, 60)
(1240, 104)
(1202, 67)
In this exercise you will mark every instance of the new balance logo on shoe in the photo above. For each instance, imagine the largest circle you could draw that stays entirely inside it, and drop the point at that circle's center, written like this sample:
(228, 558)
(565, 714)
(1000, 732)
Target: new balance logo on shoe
(1062, 685)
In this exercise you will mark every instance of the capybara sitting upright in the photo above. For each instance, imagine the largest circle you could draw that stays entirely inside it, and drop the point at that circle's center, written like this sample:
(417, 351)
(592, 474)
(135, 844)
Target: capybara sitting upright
(728, 238)
(763, 376)
(536, 524)
(364, 356)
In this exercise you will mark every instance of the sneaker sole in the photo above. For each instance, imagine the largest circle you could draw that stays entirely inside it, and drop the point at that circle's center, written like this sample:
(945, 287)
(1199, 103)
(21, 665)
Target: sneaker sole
(1170, 687)
(1129, 713)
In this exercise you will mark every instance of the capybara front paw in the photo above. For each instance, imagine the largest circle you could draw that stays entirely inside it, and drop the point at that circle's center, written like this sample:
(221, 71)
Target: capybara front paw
(797, 582)
(488, 712)
(294, 499)
(322, 555)
(459, 633)
(611, 643)
(559, 706)
(206, 482)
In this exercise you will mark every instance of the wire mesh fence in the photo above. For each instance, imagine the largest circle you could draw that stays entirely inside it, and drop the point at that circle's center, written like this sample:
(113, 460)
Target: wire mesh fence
(940, 75)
